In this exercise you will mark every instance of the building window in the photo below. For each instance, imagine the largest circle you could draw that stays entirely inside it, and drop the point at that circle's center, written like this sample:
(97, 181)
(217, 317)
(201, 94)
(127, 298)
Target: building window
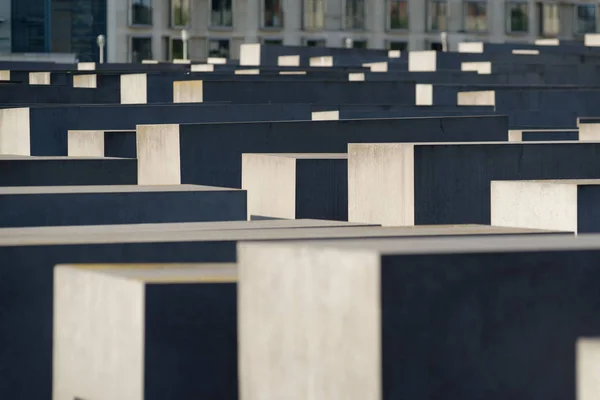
(141, 49)
(518, 17)
(437, 13)
(141, 12)
(277, 42)
(314, 14)
(176, 49)
(354, 15)
(402, 46)
(315, 42)
(549, 19)
(221, 13)
(359, 44)
(180, 13)
(435, 46)
(476, 19)
(272, 14)
(586, 18)
(218, 48)
(398, 10)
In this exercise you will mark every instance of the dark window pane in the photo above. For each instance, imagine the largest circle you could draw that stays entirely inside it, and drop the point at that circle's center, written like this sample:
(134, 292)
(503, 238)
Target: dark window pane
(141, 49)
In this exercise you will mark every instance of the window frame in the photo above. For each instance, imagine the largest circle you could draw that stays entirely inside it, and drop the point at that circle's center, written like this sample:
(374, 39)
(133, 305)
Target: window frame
(540, 19)
(218, 39)
(345, 18)
(304, 13)
(508, 18)
(389, 16)
(172, 14)
(130, 49)
(576, 31)
(429, 22)
(485, 3)
(214, 27)
(131, 14)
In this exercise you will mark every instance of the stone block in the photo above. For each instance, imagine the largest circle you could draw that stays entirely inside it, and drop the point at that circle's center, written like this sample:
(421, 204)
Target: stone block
(541, 135)
(211, 154)
(118, 204)
(104, 143)
(455, 318)
(422, 184)
(568, 205)
(29, 255)
(145, 331)
(588, 368)
(296, 185)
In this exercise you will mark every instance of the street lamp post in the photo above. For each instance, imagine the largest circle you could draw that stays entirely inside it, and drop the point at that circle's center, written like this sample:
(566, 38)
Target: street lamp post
(101, 40)
(184, 38)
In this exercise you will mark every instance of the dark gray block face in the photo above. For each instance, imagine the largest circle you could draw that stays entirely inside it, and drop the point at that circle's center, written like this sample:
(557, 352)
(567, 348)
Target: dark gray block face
(26, 94)
(29, 255)
(474, 318)
(588, 211)
(119, 144)
(186, 356)
(63, 171)
(105, 205)
(200, 163)
(322, 188)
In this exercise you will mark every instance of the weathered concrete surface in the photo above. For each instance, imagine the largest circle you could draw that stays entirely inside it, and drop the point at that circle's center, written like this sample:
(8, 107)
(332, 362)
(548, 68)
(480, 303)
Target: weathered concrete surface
(466, 318)
(569, 205)
(195, 158)
(445, 183)
(105, 205)
(29, 254)
(588, 368)
(151, 331)
(296, 185)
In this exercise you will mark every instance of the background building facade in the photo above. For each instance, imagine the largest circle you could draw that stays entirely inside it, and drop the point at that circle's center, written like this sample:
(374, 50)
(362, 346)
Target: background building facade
(144, 29)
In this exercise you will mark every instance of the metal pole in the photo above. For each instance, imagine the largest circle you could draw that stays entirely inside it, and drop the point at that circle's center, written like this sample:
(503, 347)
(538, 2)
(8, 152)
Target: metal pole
(101, 40)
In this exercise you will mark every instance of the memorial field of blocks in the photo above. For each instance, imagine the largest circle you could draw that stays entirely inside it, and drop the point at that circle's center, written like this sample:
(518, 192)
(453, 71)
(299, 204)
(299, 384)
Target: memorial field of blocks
(303, 223)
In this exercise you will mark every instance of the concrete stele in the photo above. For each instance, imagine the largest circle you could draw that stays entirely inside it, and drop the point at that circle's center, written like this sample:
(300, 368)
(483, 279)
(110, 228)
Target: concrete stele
(158, 154)
(288, 61)
(188, 92)
(323, 61)
(39, 78)
(534, 204)
(15, 131)
(216, 60)
(5, 75)
(589, 132)
(526, 52)
(588, 368)
(477, 98)
(181, 61)
(202, 68)
(423, 94)
(377, 66)
(292, 72)
(482, 67)
(325, 115)
(547, 42)
(150, 62)
(470, 47)
(592, 39)
(85, 143)
(422, 61)
(86, 66)
(250, 54)
(134, 89)
(394, 53)
(356, 77)
(85, 81)
(247, 72)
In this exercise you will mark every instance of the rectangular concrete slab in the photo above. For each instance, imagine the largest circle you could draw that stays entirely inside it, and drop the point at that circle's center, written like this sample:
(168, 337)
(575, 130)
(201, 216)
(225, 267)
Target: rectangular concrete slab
(588, 368)
(421, 184)
(152, 331)
(466, 318)
(29, 254)
(296, 185)
(106, 205)
(62, 171)
(211, 154)
(569, 205)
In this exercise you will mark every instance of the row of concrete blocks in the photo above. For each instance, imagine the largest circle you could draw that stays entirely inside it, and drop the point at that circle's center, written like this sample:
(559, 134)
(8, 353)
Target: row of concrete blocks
(496, 316)
(30, 254)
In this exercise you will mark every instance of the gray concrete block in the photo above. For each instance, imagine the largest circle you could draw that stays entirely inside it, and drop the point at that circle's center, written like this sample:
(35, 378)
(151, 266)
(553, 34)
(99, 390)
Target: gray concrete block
(66, 171)
(421, 319)
(588, 368)
(145, 331)
(106, 205)
(540, 135)
(569, 205)
(406, 184)
(211, 154)
(29, 255)
(296, 185)
(102, 143)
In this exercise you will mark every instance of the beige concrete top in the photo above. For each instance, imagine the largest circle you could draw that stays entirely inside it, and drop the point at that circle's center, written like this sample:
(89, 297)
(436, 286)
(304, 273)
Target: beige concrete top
(70, 235)
(57, 158)
(452, 245)
(109, 189)
(166, 273)
(308, 156)
(529, 143)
